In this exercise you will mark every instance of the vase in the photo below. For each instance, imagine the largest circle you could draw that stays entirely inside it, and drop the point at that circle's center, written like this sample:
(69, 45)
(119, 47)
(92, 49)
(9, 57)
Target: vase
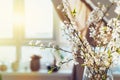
(92, 74)
(35, 63)
(15, 66)
(3, 67)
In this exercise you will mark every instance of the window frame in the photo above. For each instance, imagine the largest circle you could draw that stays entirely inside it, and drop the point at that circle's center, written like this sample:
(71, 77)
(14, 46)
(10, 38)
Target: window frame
(19, 39)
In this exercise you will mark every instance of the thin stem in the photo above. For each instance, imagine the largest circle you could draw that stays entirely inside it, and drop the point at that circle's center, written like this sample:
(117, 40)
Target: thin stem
(63, 50)
(57, 48)
(66, 61)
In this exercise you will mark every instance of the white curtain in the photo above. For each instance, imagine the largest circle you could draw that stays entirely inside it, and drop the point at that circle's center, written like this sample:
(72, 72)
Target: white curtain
(82, 12)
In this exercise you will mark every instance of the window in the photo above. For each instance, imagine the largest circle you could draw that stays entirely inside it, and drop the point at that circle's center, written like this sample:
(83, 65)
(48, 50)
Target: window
(6, 32)
(38, 25)
(21, 21)
(8, 53)
(38, 15)
(27, 52)
(6, 13)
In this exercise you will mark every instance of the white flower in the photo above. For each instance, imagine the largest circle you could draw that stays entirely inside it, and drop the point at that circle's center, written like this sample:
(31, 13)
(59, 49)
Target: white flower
(42, 45)
(115, 56)
(103, 68)
(95, 16)
(118, 3)
(31, 43)
(92, 32)
(106, 63)
(59, 7)
(112, 22)
(103, 8)
(51, 44)
(117, 10)
(114, 1)
(37, 42)
(111, 1)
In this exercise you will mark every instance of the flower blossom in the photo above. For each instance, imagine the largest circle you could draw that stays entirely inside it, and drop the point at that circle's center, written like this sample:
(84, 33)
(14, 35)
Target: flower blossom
(95, 16)
(117, 10)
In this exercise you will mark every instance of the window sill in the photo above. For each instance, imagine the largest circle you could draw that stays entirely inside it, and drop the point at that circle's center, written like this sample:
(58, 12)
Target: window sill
(40, 75)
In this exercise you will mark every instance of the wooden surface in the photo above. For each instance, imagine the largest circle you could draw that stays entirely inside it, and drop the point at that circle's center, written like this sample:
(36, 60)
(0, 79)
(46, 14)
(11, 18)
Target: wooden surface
(41, 75)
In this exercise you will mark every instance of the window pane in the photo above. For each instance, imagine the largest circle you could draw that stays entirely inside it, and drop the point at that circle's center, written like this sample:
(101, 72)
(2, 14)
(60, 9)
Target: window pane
(39, 19)
(7, 53)
(6, 12)
(28, 51)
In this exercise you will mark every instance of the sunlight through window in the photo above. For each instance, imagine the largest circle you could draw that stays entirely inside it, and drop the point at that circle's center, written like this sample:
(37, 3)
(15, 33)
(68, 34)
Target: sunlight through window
(39, 19)
(7, 54)
(6, 22)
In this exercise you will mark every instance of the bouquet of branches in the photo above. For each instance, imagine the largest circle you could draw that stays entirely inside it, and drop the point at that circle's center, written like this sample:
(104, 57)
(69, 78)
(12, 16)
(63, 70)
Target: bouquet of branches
(101, 45)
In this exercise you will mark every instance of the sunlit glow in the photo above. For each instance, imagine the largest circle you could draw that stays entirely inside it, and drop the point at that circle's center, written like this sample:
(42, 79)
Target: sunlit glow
(7, 54)
(18, 19)
(6, 15)
(39, 19)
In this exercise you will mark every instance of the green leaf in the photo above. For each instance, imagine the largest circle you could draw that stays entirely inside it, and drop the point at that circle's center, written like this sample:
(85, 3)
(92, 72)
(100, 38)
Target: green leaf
(118, 50)
(104, 28)
(50, 71)
(118, 17)
(83, 65)
(74, 12)
(80, 36)
(59, 53)
(109, 53)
